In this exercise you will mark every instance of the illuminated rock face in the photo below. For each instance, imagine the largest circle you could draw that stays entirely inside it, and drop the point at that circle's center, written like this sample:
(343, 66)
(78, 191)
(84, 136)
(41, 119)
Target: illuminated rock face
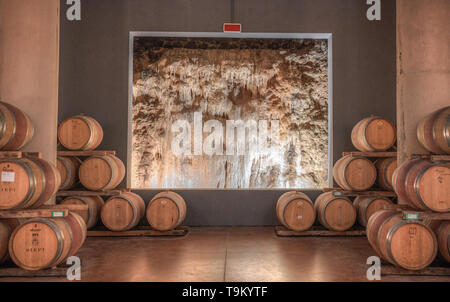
(230, 79)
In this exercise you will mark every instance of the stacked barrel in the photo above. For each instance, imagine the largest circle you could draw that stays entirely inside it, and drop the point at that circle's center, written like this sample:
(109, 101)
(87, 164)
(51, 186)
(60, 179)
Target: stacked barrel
(96, 173)
(25, 182)
(123, 212)
(28, 182)
(424, 185)
(352, 173)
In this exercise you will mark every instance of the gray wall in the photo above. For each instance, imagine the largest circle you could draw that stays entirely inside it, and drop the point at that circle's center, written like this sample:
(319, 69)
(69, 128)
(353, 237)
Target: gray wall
(94, 73)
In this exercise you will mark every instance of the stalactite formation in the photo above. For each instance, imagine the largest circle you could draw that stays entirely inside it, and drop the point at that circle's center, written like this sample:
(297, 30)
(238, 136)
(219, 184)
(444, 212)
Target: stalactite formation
(230, 79)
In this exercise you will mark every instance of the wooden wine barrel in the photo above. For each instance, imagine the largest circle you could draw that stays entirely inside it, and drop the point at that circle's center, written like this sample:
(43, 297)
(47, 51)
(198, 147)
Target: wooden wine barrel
(423, 184)
(16, 129)
(68, 169)
(166, 211)
(433, 132)
(79, 231)
(52, 180)
(443, 238)
(374, 224)
(22, 182)
(123, 212)
(101, 172)
(94, 203)
(80, 133)
(374, 134)
(385, 169)
(335, 213)
(410, 245)
(296, 211)
(41, 243)
(7, 226)
(354, 173)
(366, 206)
(399, 180)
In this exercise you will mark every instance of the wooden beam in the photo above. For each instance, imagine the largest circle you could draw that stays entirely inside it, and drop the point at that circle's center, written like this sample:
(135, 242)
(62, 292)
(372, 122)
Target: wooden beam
(87, 153)
(90, 193)
(371, 154)
(34, 213)
(282, 231)
(140, 231)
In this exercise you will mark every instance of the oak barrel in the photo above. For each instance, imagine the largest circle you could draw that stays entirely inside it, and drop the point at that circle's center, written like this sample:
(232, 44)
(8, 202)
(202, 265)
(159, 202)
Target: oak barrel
(354, 173)
(68, 168)
(7, 226)
(374, 134)
(79, 231)
(385, 169)
(16, 129)
(296, 211)
(52, 180)
(166, 211)
(94, 203)
(373, 227)
(424, 184)
(101, 172)
(80, 133)
(366, 206)
(433, 132)
(22, 182)
(443, 238)
(41, 243)
(408, 244)
(123, 212)
(335, 213)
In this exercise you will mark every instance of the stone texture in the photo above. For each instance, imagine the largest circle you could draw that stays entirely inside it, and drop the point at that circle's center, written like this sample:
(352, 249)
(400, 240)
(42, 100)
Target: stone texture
(284, 80)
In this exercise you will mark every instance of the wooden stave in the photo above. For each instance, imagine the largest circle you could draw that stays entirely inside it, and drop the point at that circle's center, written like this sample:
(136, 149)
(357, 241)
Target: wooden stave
(373, 226)
(433, 132)
(79, 232)
(287, 198)
(52, 181)
(71, 165)
(137, 204)
(177, 200)
(94, 207)
(359, 139)
(339, 171)
(399, 180)
(383, 179)
(362, 203)
(95, 129)
(443, 238)
(386, 233)
(63, 234)
(21, 130)
(322, 202)
(7, 226)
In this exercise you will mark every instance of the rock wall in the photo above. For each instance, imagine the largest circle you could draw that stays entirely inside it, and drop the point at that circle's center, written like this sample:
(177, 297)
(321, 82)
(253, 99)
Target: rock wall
(283, 82)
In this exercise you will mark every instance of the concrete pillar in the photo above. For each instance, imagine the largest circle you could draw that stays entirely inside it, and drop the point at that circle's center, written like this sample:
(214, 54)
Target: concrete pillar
(423, 67)
(29, 64)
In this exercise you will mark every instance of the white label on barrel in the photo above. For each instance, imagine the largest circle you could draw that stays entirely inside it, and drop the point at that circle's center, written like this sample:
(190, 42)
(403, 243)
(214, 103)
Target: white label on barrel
(8, 176)
(299, 217)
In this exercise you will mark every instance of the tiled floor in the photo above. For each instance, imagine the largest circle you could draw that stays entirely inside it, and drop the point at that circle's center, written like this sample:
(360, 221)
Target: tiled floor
(227, 254)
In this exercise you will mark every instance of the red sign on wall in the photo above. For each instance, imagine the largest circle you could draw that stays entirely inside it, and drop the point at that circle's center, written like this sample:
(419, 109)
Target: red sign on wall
(232, 27)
